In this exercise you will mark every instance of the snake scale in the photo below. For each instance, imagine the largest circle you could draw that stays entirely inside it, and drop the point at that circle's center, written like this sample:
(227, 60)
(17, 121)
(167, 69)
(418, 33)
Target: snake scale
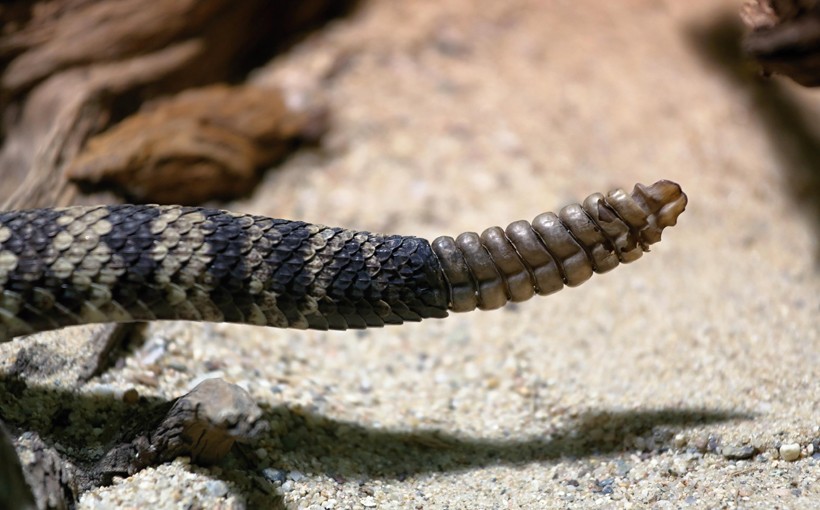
(123, 263)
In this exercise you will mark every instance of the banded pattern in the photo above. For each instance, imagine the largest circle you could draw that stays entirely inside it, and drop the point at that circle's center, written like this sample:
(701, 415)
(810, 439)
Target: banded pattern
(123, 263)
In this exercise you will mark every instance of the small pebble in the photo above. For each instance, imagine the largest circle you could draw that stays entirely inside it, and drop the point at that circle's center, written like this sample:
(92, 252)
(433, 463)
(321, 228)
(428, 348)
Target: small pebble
(216, 488)
(678, 467)
(790, 452)
(622, 468)
(701, 443)
(365, 386)
(368, 502)
(295, 476)
(151, 353)
(179, 367)
(274, 475)
(131, 396)
(104, 390)
(732, 452)
(146, 378)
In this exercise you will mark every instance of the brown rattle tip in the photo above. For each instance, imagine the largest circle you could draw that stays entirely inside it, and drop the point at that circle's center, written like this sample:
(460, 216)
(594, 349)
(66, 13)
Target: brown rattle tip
(540, 257)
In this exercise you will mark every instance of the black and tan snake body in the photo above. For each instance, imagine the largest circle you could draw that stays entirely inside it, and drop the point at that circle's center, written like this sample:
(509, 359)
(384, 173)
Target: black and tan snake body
(123, 263)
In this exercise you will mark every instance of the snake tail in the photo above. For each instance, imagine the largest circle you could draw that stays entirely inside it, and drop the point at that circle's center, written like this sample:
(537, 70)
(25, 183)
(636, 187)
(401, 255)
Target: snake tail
(126, 263)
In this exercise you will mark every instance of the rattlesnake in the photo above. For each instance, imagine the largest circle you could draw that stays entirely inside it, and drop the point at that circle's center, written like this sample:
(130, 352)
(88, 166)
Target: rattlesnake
(123, 263)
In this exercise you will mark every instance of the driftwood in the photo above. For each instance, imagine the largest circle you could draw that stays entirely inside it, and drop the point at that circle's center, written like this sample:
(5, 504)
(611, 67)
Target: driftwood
(50, 477)
(202, 424)
(785, 38)
(71, 68)
(203, 144)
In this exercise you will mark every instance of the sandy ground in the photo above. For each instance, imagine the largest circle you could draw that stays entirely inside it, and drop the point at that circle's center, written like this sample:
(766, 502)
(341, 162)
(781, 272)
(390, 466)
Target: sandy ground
(637, 390)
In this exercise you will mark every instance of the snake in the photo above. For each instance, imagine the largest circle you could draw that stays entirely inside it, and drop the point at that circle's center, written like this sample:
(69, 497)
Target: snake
(130, 263)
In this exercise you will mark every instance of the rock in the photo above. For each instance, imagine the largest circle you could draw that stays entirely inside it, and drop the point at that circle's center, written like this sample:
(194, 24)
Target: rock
(790, 452)
(732, 452)
(622, 468)
(131, 396)
(216, 488)
(274, 475)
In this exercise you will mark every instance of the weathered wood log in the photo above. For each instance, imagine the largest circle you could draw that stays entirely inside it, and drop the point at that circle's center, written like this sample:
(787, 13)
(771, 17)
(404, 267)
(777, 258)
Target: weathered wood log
(202, 144)
(785, 38)
(71, 68)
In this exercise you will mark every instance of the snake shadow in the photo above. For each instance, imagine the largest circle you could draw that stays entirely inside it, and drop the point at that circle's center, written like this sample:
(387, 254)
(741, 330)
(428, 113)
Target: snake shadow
(82, 428)
(350, 450)
(794, 138)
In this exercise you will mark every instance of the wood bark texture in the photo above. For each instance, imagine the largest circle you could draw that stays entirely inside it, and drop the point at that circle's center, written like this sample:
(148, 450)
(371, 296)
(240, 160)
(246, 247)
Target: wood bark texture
(785, 38)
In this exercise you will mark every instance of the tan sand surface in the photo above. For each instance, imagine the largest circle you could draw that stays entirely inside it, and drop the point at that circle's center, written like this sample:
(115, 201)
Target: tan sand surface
(636, 390)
